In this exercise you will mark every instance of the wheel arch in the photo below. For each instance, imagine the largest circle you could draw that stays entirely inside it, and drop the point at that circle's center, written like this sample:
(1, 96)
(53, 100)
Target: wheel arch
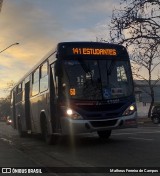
(42, 119)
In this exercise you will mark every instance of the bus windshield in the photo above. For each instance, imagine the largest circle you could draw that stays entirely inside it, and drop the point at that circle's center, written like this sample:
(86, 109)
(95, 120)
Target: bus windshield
(96, 79)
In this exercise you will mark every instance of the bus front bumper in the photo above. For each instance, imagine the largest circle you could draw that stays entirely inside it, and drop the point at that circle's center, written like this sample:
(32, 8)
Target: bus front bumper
(70, 126)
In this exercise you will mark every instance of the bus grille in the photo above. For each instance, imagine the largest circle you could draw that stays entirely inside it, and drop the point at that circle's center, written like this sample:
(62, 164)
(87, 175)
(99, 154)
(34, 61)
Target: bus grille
(103, 123)
(100, 108)
(98, 116)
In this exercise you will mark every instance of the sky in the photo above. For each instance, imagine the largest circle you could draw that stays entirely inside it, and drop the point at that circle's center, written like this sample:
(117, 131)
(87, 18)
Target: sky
(38, 25)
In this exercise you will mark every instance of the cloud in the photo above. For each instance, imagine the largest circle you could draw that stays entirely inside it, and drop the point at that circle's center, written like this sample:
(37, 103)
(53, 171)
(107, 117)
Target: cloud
(98, 7)
(39, 25)
(26, 24)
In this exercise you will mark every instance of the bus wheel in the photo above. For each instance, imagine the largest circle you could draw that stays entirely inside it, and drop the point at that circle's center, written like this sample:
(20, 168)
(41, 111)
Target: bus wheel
(104, 134)
(49, 139)
(20, 132)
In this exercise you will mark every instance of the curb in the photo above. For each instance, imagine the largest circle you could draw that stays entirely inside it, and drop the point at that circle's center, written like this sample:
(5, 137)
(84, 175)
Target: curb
(145, 121)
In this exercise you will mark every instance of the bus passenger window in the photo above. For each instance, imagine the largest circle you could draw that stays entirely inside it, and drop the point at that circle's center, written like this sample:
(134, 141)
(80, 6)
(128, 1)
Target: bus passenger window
(44, 70)
(19, 89)
(12, 97)
(35, 76)
(121, 74)
(23, 91)
(35, 82)
(44, 77)
(19, 93)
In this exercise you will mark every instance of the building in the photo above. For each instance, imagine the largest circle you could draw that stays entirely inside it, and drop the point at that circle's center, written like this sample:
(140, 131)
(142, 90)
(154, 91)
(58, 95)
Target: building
(142, 97)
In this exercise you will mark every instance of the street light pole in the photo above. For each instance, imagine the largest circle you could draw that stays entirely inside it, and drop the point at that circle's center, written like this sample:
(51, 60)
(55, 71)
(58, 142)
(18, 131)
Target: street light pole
(9, 47)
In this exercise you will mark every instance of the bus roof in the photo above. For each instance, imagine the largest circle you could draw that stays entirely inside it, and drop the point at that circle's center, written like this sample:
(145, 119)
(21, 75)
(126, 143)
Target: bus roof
(86, 43)
(62, 45)
(35, 66)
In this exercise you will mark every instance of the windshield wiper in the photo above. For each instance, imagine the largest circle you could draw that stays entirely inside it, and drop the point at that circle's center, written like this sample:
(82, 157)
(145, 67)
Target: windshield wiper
(86, 69)
(84, 66)
(111, 67)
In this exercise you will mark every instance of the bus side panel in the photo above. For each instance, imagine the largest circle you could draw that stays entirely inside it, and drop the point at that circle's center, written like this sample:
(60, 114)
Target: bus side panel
(13, 109)
(54, 109)
(34, 114)
(27, 106)
(20, 112)
(43, 108)
(39, 104)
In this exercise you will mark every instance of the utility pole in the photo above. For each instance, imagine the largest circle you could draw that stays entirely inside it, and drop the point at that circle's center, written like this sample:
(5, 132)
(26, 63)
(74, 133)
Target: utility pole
(1, 2)
(9, 47)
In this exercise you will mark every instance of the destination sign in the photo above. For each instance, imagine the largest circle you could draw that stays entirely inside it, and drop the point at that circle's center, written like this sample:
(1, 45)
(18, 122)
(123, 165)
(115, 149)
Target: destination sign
(94, 51)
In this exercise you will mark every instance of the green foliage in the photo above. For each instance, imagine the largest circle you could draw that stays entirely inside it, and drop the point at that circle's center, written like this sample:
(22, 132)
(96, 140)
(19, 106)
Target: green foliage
(5, 107)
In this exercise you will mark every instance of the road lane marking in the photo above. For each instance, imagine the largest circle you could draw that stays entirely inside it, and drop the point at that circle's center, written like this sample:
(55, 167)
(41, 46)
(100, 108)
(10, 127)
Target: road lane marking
(141, 139)
(6, 140)
(147, 132)
(122, 134)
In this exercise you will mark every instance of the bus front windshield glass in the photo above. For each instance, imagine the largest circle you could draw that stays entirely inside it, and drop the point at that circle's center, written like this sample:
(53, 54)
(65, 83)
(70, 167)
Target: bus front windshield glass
(96, 79)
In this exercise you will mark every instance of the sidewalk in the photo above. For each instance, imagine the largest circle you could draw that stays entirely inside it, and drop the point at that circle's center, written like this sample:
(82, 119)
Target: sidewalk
(145, 121)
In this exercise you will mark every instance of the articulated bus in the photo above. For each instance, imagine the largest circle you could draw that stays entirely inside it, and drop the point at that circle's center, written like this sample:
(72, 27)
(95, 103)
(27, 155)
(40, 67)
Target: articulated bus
(79, 87)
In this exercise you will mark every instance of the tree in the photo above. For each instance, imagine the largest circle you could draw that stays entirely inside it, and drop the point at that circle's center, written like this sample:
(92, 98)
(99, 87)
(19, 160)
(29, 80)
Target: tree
(9, 86)
(5, 102)
(136, 25)
(5, 107)
(136, 20)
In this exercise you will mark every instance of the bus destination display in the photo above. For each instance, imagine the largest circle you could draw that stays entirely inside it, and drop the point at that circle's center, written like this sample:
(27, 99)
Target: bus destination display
(94, 51)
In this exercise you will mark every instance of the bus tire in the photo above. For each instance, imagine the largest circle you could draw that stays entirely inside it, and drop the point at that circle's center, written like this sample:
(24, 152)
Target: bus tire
(20, 131)
(48, 138)
(104, 134)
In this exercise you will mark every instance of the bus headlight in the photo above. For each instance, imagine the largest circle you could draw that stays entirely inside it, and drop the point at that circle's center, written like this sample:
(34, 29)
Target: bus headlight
(10, 121)
(130, 110)
(73, 115)
(69, 112)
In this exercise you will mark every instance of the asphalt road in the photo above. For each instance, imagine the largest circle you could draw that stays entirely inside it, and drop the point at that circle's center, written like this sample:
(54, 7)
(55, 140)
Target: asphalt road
(126, 148)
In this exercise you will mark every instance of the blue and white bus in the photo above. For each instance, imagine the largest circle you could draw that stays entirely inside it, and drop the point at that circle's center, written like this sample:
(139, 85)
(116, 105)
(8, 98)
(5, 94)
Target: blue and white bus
(80, 87)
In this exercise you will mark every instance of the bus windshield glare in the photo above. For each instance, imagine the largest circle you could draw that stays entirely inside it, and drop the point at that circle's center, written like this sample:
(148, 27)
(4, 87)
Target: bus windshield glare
(95, 79)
